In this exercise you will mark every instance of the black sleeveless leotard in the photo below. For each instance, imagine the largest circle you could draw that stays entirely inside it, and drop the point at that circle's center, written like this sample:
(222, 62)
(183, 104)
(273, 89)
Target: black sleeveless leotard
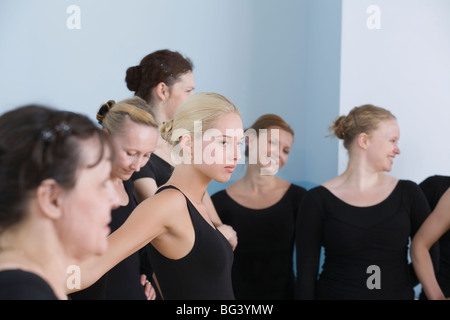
(204, 273)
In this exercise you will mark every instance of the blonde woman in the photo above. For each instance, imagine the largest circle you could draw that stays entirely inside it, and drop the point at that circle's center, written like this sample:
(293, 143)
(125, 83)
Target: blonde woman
(364, 218)
(55, 201)
(189, 255)
(165, 79)
(134, 132)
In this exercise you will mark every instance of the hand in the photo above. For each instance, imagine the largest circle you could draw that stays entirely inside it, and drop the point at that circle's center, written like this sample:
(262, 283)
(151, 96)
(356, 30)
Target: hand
(229, 233)
(148, 288)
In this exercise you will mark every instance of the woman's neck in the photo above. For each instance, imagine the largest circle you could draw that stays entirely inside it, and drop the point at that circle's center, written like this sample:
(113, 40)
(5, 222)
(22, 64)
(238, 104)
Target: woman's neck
(190, 181)
(360, 176)
(164, 150)
(45, 258)
(254, 181)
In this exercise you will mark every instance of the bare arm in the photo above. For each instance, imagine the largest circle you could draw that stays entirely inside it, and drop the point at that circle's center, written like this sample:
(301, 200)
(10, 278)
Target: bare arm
(148, 221)
(431, 230)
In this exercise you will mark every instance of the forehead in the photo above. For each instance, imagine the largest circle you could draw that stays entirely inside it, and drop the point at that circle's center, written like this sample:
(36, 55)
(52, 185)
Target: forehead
(135, 134)
(185, 80)
(388, 127)
(282, 134)
(229, 124)
(92, 151)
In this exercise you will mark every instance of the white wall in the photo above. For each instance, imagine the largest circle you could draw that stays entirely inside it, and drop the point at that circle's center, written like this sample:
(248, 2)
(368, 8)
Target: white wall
(405, 67)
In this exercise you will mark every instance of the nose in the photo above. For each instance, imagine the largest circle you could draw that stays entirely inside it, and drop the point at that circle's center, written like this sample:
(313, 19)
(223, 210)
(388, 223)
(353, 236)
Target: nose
(397, 149)
(138, 163)
(237, 152)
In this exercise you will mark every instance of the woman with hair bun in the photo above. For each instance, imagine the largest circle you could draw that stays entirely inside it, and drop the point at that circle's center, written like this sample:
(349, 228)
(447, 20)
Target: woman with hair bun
(56, 197)
(364, 218)
(189, 255)
(262, 208)
(165, 79)
(134, 132)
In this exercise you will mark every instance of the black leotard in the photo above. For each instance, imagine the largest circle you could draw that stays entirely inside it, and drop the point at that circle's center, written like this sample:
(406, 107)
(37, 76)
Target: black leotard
(204, 273)
(23, 285)
(263, 259)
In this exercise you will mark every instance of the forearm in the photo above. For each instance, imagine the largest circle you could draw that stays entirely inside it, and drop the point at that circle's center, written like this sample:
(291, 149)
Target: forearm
(423, 267)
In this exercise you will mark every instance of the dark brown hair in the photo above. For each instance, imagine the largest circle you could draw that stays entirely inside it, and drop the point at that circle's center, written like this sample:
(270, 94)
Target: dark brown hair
(38, 143)
(160, 66)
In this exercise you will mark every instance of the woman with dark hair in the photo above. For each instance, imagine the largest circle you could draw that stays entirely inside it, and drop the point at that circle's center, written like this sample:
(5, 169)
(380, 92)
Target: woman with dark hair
(262, 208)
(164, 79)
(56, 197)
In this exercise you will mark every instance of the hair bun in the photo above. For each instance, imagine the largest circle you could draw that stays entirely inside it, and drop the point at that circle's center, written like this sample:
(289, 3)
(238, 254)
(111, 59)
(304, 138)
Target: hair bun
(133, 78)
(166, 130)
(104, 108)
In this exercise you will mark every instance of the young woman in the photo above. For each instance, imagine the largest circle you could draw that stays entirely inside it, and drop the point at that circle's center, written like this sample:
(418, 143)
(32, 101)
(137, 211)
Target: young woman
(165, 79)
(190, 257)
(134, 133)
(435, 228)
(55, 201)
(262, 208)
(363, 218)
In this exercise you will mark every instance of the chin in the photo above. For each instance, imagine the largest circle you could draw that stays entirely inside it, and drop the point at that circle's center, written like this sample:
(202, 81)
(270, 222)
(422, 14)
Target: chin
(222, 179)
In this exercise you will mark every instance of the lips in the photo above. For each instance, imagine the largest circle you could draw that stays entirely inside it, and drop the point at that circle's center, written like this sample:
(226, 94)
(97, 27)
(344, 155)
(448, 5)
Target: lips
(230, 169)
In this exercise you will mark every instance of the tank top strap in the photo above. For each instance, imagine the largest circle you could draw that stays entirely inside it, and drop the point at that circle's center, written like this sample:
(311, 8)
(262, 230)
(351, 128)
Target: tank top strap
(189, 204)
(169, 187)
(193, 212)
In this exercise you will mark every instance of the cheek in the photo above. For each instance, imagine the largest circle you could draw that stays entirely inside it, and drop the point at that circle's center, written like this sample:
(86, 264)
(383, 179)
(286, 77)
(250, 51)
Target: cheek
(83, 229)
(122, 161)
(283, 159)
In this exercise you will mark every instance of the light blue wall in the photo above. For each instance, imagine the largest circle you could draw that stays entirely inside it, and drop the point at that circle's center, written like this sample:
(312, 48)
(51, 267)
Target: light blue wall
(265, 55)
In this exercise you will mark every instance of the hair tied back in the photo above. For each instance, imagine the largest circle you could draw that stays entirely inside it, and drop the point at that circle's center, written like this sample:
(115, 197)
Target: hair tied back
(104, 108)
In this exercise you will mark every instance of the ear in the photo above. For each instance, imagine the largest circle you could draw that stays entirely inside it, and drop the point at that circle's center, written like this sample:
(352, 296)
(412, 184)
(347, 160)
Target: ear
(363, 140)
(49, 199)
(162, 91)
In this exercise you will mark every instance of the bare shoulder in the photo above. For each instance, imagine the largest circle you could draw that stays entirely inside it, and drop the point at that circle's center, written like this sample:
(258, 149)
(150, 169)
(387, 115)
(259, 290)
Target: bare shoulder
(163, 204)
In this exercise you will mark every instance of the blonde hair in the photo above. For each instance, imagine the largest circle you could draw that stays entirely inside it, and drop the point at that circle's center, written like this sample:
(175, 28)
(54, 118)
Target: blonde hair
(112, 115)
(363, 119)
(203, 107)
